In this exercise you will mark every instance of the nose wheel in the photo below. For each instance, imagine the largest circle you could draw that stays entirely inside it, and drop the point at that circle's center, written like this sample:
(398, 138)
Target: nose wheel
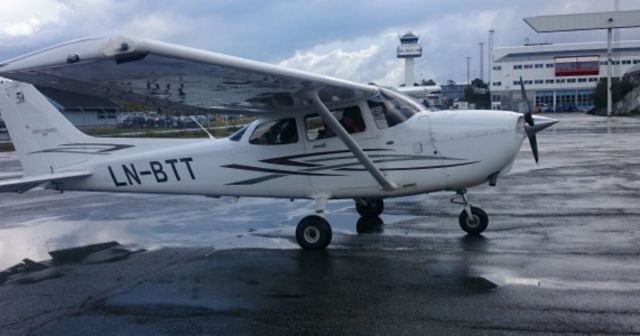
(313, 233)
(473, 220)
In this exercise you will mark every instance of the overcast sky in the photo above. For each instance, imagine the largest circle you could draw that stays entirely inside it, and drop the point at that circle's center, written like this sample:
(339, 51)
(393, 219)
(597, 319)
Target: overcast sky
(354, 40)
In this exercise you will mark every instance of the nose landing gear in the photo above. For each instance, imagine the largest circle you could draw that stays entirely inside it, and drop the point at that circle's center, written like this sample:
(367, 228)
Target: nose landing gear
(314, 232)
(473, 220)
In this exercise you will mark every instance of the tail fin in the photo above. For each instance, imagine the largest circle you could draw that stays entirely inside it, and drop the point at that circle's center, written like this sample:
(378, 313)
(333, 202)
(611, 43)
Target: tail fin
(37, 129)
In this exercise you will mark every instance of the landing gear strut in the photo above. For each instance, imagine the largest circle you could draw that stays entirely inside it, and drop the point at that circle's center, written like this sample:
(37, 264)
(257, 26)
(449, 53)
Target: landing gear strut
(369, 207)
(473, 220)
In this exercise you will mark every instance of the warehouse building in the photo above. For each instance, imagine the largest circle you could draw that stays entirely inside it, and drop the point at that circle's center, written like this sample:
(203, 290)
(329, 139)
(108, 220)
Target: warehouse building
(557, 77)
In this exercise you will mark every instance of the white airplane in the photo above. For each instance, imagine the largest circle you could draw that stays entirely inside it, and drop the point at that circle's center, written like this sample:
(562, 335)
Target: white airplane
(315, 137)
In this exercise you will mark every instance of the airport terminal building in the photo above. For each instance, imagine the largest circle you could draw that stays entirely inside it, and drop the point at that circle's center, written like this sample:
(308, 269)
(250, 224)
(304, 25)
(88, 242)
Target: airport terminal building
(557, 77)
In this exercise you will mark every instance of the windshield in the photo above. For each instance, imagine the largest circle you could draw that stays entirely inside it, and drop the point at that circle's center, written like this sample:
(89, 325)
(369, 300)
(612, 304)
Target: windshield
(390, 108)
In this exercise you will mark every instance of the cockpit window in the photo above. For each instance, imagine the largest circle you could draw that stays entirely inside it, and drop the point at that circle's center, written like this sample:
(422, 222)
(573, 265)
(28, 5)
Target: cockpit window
(238, 134)
(389, 108)
(350, 118)
(276, 132)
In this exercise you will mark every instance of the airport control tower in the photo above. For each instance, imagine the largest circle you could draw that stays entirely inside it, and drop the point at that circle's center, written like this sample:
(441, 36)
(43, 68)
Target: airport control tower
(409, 49)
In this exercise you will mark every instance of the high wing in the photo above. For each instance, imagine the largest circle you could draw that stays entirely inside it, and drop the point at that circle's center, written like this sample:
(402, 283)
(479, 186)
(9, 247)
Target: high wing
(28, 183)
(172, 77)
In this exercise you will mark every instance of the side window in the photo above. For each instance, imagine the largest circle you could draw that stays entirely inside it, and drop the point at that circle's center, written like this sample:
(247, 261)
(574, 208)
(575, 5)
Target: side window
(276, 132)
(390, 109)
(350, 118)
(384, 117)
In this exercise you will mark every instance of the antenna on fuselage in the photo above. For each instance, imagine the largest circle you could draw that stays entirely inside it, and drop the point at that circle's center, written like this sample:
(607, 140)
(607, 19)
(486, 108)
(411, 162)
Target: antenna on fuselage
(202, 127)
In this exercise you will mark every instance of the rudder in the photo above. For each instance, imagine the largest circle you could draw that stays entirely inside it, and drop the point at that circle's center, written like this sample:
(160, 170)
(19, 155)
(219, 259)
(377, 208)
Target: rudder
(37, 129)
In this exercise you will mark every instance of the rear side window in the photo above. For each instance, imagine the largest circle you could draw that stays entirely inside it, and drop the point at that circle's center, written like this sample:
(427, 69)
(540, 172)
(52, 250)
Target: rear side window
(350, 118)
(275, 132)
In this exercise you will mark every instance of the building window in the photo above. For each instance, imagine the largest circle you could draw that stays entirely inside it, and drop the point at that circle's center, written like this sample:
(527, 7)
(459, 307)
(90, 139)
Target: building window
(565, 100)
(539, 66)
(496, 98)
(548, 81)
(604, 62)
(560, 80)
(636, 61)
(549, 65)
(497, 84)
(538, 81)
(626, 62)
(516, 83)
(571, 80)
(106, 114)
(497, 68)
(528, 66)
(584, 99)
(528, 82)
(593, 79)
(544, 100)
(517, 67)
(582, 80)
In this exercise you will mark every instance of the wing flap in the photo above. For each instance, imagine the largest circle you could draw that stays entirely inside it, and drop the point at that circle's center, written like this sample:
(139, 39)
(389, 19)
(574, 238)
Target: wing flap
(174, 77)
(28, 183)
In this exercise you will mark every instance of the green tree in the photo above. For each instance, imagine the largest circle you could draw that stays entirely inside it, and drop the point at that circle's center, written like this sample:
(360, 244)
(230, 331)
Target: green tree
(619, 89)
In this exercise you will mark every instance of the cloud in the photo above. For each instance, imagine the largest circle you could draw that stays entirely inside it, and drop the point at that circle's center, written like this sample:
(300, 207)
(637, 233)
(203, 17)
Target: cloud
(351, 39)
(19, 21)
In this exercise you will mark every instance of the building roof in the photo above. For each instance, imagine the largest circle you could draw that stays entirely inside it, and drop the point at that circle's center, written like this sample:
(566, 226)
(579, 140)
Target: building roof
(409, 36)
(541, 49)
(70, 100)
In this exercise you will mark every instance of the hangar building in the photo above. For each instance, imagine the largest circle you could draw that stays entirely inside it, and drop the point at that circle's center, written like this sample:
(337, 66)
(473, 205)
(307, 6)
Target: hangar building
(557, 77)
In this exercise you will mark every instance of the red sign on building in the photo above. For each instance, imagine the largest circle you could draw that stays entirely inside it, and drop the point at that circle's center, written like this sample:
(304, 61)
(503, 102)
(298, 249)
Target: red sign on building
(577, 66)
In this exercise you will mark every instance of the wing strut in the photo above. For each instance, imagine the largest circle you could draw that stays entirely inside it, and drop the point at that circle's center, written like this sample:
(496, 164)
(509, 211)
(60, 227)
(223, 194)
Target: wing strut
(353, 146)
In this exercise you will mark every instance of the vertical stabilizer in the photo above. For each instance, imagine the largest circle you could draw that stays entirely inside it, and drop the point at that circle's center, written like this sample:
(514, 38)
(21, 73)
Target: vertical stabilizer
(39, 131)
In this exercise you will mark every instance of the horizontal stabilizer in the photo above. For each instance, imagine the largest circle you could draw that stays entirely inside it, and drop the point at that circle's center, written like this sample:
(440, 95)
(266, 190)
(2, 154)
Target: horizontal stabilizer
(27, 183)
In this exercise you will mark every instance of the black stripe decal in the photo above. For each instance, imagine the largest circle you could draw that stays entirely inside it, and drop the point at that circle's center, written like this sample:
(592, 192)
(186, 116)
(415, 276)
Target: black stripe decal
(85, 148)
(413, 168)
(257, 180)
(275, 171)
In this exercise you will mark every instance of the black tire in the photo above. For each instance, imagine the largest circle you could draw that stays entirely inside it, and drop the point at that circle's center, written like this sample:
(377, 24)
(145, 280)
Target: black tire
(373, 208)
(313, 233)
(476, 226)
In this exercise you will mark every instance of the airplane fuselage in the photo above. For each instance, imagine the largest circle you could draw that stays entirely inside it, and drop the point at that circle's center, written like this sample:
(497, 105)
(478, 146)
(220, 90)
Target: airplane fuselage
(448, 150)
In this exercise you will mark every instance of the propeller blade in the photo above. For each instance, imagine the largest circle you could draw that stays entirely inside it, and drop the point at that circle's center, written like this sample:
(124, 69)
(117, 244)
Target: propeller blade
(527, 115)
(534, 146)
(531, 131)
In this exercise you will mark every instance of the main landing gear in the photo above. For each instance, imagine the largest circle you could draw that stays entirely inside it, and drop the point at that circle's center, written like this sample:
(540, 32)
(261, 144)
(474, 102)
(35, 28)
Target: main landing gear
(473, 220)
(369, 207)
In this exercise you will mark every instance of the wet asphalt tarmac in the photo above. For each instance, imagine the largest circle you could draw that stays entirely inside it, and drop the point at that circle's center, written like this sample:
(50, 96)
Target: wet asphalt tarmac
(560, 256)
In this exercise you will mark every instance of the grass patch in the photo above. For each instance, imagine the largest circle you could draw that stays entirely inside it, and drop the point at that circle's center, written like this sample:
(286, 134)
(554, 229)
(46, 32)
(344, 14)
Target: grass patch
(6, 147)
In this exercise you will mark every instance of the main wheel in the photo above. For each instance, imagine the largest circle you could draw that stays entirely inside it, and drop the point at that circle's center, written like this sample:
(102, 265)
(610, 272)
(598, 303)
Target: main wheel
(313, 233)
(372, 208)
(476, 224)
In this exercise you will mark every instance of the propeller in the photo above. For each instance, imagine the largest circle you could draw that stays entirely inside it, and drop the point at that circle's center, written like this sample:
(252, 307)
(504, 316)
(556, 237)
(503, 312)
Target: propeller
(531, 128)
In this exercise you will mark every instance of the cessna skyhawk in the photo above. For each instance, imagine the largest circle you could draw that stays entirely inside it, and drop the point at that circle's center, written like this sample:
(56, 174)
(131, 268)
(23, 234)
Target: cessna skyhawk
(315, 137)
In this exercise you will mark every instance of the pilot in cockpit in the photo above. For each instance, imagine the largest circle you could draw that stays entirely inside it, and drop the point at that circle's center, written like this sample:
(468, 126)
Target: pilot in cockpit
(352, 120)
